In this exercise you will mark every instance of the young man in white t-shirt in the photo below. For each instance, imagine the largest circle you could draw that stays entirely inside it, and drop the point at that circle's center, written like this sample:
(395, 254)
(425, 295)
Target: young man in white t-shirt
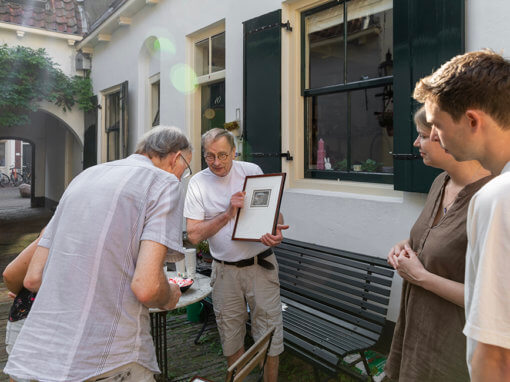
(242, 271)
(467, 101)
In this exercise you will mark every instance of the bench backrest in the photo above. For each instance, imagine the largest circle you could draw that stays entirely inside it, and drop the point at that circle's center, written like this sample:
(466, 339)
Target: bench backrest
(352, 288)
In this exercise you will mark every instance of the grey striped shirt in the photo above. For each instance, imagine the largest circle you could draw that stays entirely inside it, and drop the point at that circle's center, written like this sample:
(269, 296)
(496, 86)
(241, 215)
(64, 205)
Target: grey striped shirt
(86, 320)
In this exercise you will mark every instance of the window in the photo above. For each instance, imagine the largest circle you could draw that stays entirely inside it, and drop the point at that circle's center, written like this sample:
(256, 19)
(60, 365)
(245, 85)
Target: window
(115, 122)
(348, 90)
(155, 101)
(2, 154)
(209, 65)
(113, 126)
(210, 55)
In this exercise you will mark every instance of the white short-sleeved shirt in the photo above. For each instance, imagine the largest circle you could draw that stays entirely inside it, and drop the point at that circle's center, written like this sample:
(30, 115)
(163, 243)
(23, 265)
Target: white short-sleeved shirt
(86, 320)
(208, 196)
(487, 282)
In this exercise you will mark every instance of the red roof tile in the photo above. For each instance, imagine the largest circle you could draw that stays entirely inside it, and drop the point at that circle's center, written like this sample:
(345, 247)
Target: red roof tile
(54, 15)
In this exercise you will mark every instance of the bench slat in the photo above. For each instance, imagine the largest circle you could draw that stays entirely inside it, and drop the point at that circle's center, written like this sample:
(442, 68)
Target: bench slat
(303, 285)
(376, 327)
(305, 270)
(323, 354)
(342, 341)
(332, 281)
(309, 259)
(327, 318)
(336, 300)
(374, 264)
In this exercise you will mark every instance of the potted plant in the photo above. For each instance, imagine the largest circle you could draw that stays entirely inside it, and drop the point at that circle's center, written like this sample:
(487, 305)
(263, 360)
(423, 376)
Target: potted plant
(370, 165)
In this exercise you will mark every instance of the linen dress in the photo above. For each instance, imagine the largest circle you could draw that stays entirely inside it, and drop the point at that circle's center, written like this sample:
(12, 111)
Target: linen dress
(428, 344)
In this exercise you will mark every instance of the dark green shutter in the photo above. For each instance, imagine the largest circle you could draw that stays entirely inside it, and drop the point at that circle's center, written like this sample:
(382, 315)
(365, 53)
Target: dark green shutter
(426, 34)
(90, 136)
(262, 91)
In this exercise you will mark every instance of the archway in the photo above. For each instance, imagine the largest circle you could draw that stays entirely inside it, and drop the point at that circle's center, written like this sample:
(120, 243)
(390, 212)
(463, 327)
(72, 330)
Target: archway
(20, 157)
(56, 156)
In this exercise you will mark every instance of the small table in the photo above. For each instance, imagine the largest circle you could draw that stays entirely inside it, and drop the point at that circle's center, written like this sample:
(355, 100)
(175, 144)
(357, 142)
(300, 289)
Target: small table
(200, 289)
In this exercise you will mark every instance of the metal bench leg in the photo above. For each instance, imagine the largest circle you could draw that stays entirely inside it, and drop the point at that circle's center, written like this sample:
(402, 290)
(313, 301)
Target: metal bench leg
(208, 309)
(367, 368)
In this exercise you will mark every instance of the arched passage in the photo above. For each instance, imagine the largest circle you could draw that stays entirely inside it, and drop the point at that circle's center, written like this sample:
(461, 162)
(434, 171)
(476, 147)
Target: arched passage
(57, 154)
(20, 159)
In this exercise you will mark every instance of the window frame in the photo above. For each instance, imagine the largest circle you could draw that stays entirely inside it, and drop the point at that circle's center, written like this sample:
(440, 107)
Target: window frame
(123, 123)
(155, 100)
(345, 87)
(194, 99)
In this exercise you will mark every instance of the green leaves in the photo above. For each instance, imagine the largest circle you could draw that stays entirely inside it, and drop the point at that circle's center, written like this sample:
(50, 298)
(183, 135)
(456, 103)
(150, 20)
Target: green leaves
(28, 76)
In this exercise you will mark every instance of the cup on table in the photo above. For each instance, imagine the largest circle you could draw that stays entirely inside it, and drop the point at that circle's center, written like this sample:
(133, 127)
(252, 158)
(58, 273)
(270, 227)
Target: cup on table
(180, 267)
(190, 257)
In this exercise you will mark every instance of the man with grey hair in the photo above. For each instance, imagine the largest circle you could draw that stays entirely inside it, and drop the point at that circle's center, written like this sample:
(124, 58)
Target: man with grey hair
(243, 272)
(105, 248)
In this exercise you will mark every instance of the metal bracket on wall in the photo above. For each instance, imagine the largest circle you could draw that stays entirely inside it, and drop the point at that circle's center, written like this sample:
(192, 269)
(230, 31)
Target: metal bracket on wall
(272, 155)
(286, 26)
(405, 156)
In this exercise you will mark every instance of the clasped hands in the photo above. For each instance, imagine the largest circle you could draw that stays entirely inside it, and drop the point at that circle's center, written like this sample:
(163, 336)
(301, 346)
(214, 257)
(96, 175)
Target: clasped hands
(406, 263)
(236, 202)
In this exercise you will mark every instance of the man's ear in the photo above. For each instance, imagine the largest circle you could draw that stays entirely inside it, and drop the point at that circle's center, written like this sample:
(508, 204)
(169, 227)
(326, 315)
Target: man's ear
(474, 118)
(172, 159)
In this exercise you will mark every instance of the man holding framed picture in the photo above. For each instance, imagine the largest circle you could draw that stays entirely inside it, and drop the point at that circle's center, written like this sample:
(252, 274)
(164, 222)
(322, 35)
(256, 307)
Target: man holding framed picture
(243, 272)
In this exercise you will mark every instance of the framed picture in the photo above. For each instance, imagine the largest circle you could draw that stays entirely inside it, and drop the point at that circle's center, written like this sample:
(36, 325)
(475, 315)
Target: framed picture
(261, 209)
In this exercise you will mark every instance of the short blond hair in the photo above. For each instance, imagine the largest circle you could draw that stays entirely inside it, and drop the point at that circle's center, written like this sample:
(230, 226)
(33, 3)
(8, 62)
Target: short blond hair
(479, 80)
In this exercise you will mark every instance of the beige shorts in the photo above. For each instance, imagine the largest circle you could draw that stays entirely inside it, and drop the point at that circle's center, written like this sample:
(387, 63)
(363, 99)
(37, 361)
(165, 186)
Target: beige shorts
(131, 372)
(256, 286)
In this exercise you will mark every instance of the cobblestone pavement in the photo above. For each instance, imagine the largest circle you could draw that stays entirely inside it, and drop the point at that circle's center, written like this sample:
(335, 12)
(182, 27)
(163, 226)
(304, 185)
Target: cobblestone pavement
(14, 209)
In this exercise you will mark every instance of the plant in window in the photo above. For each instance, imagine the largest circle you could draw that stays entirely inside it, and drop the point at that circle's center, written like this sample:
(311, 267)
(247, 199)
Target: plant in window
(370, 165)
(341, 165)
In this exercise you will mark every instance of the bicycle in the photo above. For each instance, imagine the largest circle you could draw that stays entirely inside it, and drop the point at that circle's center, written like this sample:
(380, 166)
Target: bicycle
(26, 175)
(4, 180)
(15, 178)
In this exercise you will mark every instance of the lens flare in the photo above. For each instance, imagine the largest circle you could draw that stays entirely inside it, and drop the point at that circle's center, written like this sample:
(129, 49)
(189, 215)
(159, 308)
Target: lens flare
(164, 45)
(183, 77)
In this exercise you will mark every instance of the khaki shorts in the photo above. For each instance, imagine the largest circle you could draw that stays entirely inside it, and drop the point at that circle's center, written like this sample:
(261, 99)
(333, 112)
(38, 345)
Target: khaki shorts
(131, 372)
(233, 288)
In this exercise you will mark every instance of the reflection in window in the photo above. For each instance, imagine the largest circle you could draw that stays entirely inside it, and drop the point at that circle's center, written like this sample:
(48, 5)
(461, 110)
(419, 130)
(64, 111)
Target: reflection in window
(348, 87)
(218, 52)
(202, 57)
(155, 100)
(112, 103)
(210, 51)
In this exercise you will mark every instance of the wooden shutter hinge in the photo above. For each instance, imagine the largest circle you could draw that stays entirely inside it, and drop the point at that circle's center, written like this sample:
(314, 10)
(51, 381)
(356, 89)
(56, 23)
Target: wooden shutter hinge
(286, 26)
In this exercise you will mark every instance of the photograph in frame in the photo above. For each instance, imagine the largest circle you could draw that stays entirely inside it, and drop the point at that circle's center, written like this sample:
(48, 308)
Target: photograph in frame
(261, 208)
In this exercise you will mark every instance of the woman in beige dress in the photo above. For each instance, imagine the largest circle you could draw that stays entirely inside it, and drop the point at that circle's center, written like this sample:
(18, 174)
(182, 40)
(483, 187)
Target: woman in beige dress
(428, 344)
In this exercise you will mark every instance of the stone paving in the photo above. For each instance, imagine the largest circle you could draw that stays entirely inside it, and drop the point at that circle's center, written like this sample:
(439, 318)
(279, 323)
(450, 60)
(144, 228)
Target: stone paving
(20, 224)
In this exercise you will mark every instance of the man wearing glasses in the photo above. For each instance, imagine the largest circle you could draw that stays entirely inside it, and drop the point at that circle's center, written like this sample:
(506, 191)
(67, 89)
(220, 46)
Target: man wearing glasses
(106, 245)
(243, 272)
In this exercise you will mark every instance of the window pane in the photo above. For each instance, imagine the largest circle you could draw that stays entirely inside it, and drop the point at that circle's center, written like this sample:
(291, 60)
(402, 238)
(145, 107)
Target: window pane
(371, 142)
(369, 39)
(325, 47)
(327, 131)
(218, 52)
(112, 126)
(213, 108)
(113, 152)
(202, 57)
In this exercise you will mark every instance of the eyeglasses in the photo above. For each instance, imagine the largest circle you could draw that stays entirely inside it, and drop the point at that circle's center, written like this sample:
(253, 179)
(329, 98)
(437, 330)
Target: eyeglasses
(187, 172)
(210, 157)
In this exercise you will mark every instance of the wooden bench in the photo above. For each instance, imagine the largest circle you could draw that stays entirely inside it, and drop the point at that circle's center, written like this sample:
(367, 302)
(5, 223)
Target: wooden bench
(336, 303)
